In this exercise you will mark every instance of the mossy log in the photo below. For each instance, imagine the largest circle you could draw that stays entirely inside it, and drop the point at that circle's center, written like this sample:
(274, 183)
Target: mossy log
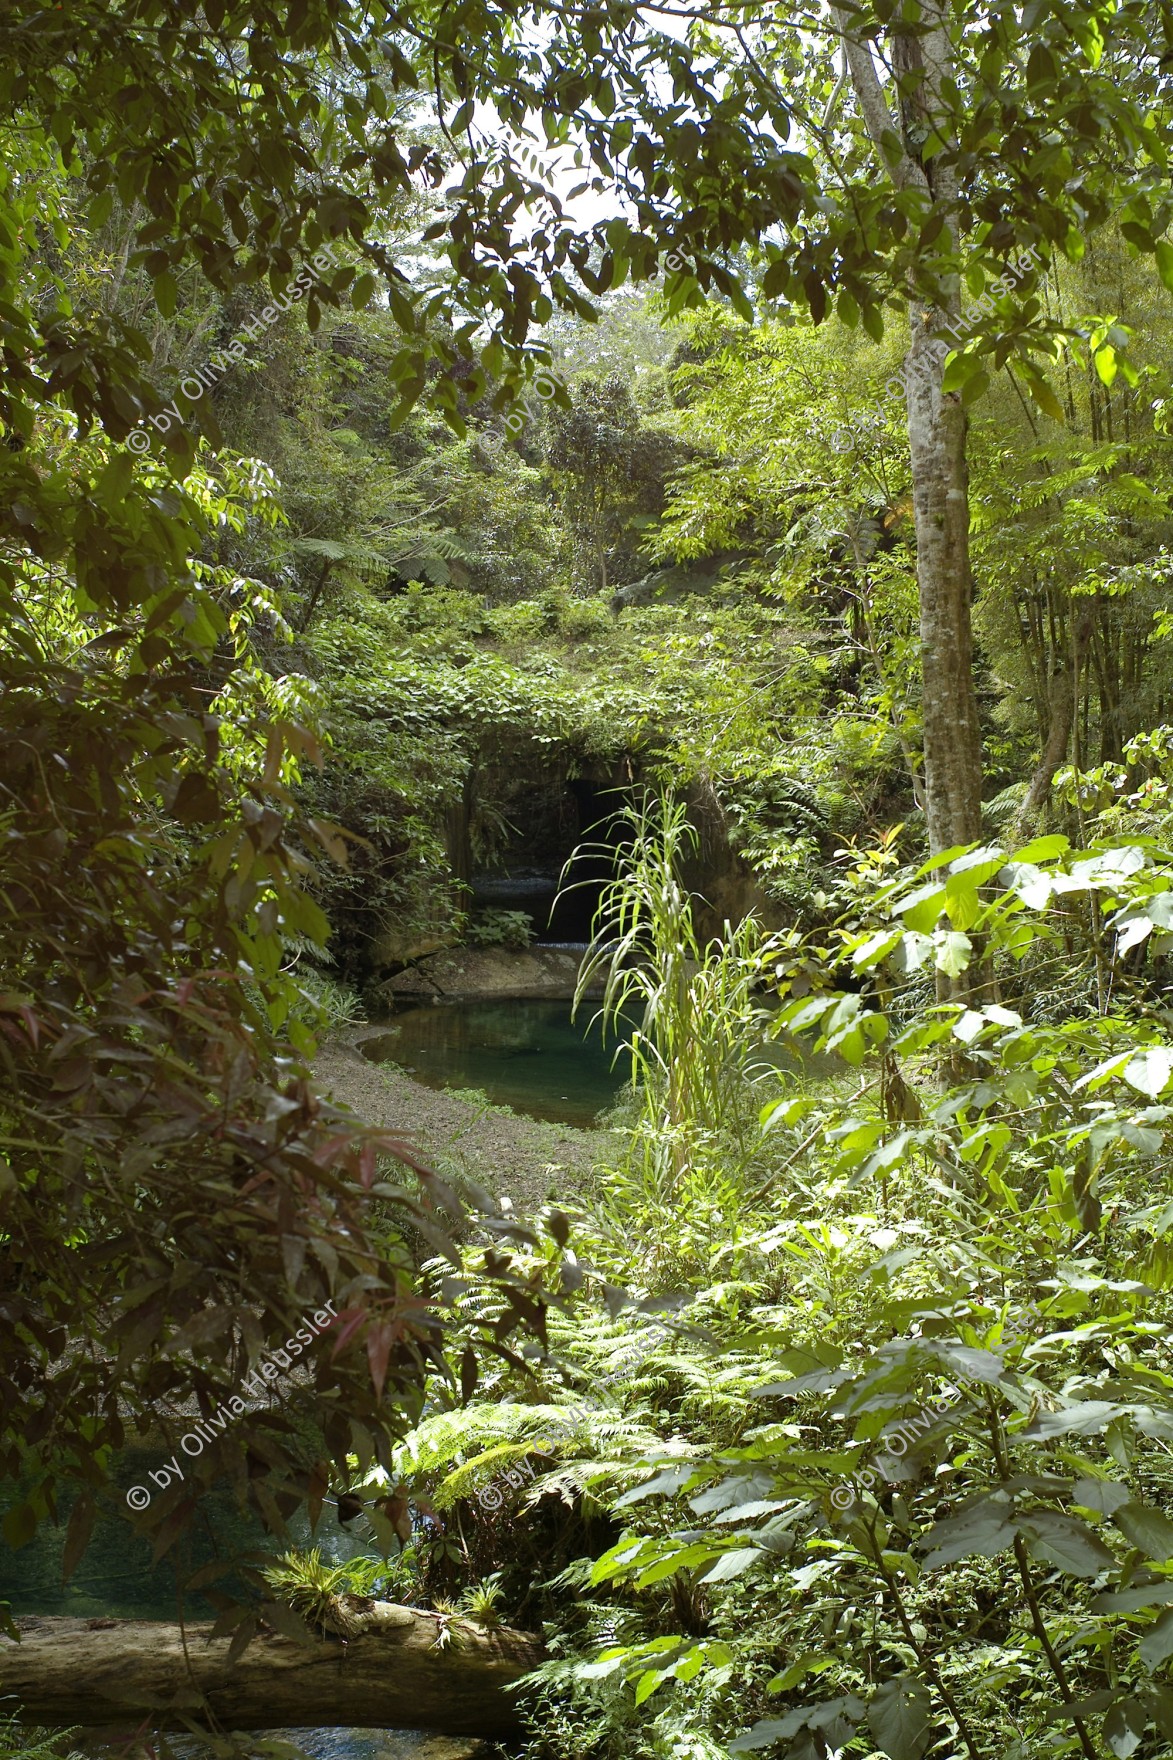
(408, 1670)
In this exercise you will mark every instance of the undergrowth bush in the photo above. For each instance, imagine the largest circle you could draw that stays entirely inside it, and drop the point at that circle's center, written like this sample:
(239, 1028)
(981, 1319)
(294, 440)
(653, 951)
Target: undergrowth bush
(892, 1473)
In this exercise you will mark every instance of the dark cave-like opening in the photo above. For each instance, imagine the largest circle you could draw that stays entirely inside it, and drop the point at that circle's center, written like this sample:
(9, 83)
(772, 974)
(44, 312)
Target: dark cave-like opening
(578, 821)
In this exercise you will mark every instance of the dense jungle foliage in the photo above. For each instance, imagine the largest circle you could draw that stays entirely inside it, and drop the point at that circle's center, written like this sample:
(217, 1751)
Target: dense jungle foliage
(811, 507)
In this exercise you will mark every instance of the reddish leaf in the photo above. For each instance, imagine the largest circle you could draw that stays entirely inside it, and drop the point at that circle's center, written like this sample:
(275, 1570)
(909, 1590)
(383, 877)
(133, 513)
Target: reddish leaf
(380, 1338)
(348, 1320)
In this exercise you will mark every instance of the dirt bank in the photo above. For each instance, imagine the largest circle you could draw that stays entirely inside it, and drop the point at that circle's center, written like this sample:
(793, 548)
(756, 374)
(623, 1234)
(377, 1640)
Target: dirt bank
(510, 1155)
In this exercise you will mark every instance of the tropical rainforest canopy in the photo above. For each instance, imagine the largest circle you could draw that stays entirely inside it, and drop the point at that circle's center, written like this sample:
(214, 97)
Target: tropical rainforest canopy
(764, 422)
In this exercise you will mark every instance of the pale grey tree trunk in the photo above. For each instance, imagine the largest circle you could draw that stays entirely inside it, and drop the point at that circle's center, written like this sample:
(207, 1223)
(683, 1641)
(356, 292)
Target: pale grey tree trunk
(940, 487)
(936, 433)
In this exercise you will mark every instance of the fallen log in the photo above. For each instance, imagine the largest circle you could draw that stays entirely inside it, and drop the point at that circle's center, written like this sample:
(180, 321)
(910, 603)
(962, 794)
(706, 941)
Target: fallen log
(401, 1673)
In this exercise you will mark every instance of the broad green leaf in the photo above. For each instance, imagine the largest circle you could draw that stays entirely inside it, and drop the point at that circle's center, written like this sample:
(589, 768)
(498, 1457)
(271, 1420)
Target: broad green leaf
(684, 1558)
(960, 369)
(1104, 360)
(1132, 933)
(733, 1564)
(1087, 1417)
(952, 951)
(899, 1718)
(1043, 849)
(1157, 1644)
(876, 948)
(983, 1531)
(1150, 1529)
(1125, 1725)
(649, 1681)
(1102, 1495)
(1042, 394)
(811, 1662)
(1066, 1542)
(1164, 259)
(914, 948)
(1029, 883)
(165, 294)
(836, 1718)
(766, 1732)
(962, 903)
(1149, 1071)
(1155, 1594)
(19, 1525)
(922, 908)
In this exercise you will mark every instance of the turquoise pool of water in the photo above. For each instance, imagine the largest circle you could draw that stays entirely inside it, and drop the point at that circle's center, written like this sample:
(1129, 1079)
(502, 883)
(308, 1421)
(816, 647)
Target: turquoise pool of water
(530, 1055)
(527, 1055)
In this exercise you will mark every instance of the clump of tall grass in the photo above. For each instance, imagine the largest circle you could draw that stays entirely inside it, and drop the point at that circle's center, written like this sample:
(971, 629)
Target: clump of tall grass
(696, 1048)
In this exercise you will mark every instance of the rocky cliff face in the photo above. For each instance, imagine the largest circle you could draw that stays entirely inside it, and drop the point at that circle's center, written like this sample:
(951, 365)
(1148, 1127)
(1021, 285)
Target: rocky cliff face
(525, 811)
(462, 973)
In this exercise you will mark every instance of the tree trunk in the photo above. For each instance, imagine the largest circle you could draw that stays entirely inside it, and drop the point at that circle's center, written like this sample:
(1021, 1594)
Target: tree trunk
(100, 1672)
(1062, 701)
(1054, 752)
(936, 422)
(952, 734)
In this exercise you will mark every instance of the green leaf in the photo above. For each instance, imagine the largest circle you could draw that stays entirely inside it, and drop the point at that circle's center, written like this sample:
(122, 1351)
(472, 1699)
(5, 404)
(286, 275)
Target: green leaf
(1124, 1726)
(1150, 1529)
(1042, 394)
(847, 309)
(953, 951)
(962, 904)
(1164, 256)
(877, 947)
(836, 1718)
(361, 292)
(766, 1732)
(1157, 1644)
(1104, 360)
(1043, 849)
(1149, 1071)
(922, 908)
(166, 294)
(1091, 37)
(976, 386)
(899, 1718)
(733, 1564)
(982, 1531)
(648, 1682)
(1154, 1594)
(1087, 1417)
(811, 1662)
(1066, 1542)
(1102, 1495)
(960, 370)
